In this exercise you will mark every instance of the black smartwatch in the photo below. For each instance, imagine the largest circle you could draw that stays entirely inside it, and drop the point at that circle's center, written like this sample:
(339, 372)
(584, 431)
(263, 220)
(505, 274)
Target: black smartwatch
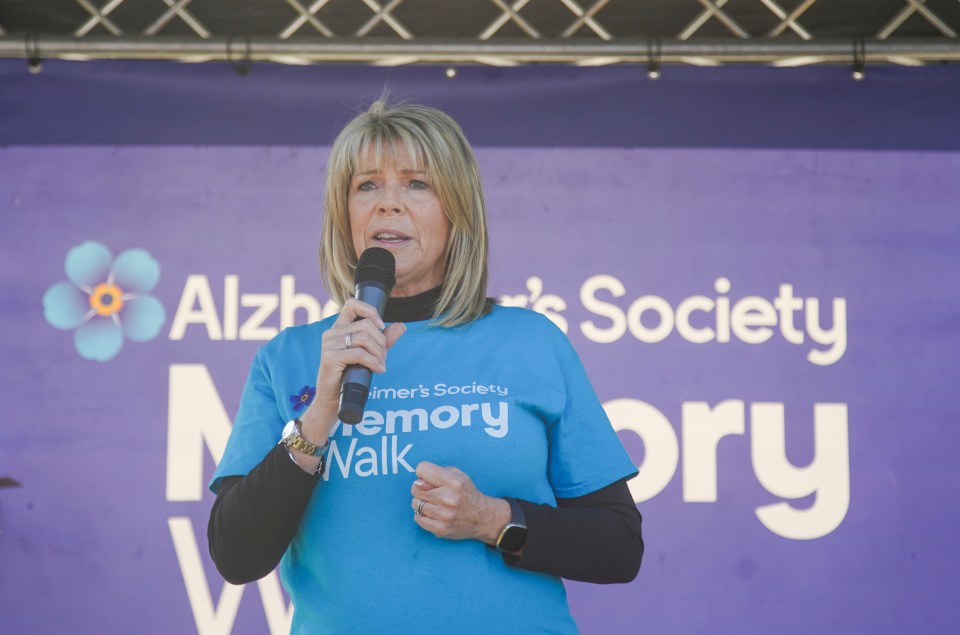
(514, 535)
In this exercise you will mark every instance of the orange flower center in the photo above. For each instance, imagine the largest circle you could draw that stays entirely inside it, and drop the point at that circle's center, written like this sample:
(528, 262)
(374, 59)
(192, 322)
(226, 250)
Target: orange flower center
(106, 299)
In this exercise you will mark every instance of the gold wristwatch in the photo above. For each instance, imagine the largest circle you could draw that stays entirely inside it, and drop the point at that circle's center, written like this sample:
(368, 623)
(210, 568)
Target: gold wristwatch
(291, 439)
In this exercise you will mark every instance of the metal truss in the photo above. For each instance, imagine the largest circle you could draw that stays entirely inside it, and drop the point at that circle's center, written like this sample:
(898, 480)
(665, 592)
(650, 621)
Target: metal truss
(395, 32)
(917, 6)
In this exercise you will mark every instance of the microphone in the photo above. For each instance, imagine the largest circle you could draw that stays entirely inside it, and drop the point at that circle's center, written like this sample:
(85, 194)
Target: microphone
(374, 280)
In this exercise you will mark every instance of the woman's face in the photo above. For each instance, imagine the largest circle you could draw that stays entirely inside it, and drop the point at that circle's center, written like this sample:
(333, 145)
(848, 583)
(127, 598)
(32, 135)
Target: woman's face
(394, 207)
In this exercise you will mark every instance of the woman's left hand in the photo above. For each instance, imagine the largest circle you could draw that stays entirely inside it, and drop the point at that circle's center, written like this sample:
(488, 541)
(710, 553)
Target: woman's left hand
(454, 508)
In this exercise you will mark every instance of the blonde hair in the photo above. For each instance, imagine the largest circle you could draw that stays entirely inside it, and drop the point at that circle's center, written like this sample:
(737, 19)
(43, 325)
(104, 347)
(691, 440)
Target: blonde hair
(437, 145)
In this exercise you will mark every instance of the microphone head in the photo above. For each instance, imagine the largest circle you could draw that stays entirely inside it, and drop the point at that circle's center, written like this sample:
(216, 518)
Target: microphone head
(376, 265)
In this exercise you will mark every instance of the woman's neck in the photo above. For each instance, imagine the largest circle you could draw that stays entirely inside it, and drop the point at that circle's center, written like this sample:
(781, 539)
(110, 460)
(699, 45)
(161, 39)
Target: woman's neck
(413, 308)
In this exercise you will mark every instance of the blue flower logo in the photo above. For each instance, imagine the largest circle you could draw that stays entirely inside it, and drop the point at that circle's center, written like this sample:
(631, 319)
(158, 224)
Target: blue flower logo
(106, 299)
(302, 399)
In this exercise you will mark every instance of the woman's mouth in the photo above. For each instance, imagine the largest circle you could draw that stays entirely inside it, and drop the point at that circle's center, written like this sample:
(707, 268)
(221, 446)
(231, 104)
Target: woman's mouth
(391, 238)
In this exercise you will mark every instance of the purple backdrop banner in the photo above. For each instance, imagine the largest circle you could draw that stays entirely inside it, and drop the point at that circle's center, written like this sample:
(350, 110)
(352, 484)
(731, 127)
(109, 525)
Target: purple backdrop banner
(771, 327)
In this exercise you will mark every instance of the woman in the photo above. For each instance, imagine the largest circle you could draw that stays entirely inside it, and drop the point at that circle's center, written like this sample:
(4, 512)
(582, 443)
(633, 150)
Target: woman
(484, 469)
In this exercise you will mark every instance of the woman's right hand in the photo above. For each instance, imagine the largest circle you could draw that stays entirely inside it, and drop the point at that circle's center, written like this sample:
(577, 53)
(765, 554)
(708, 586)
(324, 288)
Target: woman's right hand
(369, 342)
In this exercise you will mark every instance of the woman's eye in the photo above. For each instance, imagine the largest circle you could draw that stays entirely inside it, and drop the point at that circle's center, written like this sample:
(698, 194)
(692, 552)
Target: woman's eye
(418, 185)
(366, 186)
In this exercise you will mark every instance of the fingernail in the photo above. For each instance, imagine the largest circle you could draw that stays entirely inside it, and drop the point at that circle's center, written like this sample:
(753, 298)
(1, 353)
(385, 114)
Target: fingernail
(419, 483)
(380, 324)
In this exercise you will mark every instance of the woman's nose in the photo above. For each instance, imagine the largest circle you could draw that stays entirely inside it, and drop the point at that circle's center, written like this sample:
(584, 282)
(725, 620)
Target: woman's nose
(389, 198)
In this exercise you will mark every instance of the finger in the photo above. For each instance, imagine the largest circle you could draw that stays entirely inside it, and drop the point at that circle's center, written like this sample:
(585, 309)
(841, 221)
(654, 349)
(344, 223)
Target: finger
(335, 337)
(362, 335)
(423, 485)
(430, 494)
(363, 326)
(349, 356)
(354, 309)
(431, 473)
(393, 333)
(434, 512)
(439, 476)
(444, 497)
(374, 343)
(435, 493)
(438, 528)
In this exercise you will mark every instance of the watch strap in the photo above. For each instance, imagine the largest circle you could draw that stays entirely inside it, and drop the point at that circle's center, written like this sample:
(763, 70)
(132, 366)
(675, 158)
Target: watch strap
(513, 537)
(292, 440)
(517, 515)
(298, 443)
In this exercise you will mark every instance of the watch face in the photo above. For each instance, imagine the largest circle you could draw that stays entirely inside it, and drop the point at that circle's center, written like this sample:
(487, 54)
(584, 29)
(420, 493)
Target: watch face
(288, 430)
(513, 539)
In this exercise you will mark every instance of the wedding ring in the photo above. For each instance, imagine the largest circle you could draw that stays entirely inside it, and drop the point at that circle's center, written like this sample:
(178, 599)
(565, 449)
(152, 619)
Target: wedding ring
(348, 340)
(420, 507)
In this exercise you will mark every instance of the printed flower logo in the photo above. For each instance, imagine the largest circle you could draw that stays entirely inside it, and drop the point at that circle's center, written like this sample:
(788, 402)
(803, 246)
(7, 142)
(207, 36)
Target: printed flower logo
(106, 299)
(303, 398)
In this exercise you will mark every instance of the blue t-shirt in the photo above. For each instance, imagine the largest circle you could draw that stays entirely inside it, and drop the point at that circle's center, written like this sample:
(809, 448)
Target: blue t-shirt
(504, 399)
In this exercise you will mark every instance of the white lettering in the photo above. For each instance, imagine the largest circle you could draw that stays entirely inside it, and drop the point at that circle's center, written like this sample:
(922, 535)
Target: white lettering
(196, 291)
(722, 286)
(197, 306)
(330, 308)
(219, 620)
(365, 456)
(291, 301)
(661, 452)
(664, 319)
(618, 322)
(253, 328)
(210, 620)
(444, 417)
(371, 424)
(406, 418)
(686, 330)
(827, 475)
(347, 430)
(278, 612)
(467, 411)
(703, 427)
(751, 318)
(231, 306)
(786, 305)
(364, 461)
(547, 304)
(196, 417)
(333, 454)
(397, 459)
(496, 426)
(835, 338)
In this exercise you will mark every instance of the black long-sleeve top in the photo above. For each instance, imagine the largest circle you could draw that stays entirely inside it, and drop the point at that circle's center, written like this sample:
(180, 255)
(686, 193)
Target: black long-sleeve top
(592, 538)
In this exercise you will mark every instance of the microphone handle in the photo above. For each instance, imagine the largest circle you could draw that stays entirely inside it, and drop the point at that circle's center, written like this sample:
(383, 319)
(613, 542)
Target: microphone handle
(356, 378)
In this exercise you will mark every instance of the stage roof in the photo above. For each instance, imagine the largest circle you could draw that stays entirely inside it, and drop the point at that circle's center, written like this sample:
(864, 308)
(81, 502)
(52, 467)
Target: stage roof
(492, 32)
